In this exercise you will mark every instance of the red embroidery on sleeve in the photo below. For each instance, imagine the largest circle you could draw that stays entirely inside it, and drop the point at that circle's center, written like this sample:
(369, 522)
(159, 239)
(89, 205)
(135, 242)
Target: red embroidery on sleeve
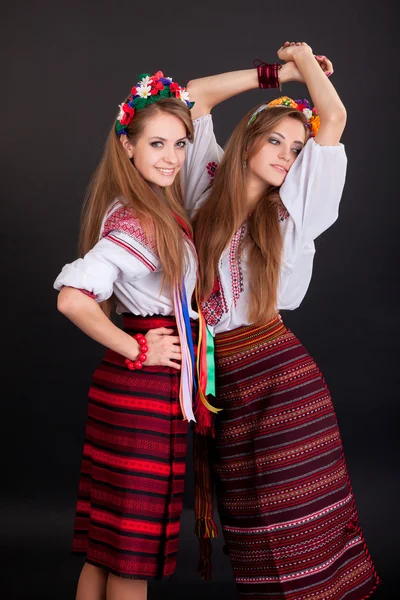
(122, 220)
(87, 293)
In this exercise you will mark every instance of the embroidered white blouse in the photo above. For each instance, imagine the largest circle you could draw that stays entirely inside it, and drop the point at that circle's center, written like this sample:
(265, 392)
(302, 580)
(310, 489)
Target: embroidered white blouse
(125, 262)
(310, 195)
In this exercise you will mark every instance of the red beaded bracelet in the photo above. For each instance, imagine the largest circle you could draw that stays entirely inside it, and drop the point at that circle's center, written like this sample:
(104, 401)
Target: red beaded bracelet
(143, 349)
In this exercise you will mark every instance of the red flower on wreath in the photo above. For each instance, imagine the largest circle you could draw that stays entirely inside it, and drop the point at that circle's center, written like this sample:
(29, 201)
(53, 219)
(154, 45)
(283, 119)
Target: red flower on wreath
(134, 91)
(126, 119)
(128, 114)
(128, 110)
(156, 88)
(174, 87)
(301, 106)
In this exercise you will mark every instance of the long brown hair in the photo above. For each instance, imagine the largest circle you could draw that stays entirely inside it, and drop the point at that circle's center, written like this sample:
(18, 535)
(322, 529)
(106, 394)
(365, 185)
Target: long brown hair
(225, 211)
(117, 176)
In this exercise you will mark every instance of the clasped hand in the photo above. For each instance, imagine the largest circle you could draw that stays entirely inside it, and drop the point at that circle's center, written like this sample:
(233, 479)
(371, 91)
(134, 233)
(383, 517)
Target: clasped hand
(290, 51)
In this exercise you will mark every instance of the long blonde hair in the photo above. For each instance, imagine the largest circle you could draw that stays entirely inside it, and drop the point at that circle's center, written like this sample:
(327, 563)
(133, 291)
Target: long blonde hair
(225, 211)
(155, 208)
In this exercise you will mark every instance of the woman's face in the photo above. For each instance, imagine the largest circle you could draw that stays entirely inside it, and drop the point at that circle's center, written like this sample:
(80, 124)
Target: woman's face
(159, 152)
(270, 165)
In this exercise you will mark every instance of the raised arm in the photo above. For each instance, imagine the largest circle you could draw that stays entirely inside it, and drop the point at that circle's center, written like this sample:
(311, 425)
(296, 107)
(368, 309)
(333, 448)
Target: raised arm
(207, 92)
(324, 96)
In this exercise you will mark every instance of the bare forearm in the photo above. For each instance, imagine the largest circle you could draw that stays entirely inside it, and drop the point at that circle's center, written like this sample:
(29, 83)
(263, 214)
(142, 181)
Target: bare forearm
(322, 92)
(207, 92)
(86, 314)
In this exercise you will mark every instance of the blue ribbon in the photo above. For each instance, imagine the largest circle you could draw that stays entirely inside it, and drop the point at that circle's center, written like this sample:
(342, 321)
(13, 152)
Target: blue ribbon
(188, 328)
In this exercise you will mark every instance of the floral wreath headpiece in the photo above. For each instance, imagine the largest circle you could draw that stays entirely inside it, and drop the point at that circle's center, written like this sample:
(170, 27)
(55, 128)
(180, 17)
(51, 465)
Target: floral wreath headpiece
(149, 89)
(312, 119)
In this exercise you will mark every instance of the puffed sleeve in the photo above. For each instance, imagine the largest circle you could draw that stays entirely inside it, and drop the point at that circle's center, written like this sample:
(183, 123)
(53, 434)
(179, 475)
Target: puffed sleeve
(123, 253)
(202, 159)
(312, 191)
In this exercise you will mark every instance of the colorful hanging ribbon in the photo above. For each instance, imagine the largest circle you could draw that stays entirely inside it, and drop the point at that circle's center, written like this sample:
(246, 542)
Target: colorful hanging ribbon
(205, 368)
(205, 361)
(187, 351)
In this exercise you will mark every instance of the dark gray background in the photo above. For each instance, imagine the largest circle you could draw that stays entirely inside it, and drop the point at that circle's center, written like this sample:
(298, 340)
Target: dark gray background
(68, 66)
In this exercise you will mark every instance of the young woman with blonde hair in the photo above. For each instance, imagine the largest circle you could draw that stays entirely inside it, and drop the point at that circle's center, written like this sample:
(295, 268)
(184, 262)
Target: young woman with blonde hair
(285, 502)
(137, 256)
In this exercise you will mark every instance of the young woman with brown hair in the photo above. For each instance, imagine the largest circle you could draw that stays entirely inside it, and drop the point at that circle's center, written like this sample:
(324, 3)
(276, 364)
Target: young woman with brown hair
(285, 501)
(137, 253)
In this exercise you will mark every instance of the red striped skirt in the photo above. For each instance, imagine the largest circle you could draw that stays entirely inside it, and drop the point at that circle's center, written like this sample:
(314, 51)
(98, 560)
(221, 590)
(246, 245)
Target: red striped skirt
(286, 506)
(133, 466)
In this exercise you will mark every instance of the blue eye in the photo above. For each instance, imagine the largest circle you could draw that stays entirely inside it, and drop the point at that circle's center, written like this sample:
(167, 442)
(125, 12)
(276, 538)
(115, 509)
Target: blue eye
(156, 144)
(181, 144)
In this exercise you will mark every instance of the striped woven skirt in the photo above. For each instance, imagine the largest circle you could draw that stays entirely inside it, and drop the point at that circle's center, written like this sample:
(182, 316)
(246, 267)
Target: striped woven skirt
(286, 506)
(133, 467)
